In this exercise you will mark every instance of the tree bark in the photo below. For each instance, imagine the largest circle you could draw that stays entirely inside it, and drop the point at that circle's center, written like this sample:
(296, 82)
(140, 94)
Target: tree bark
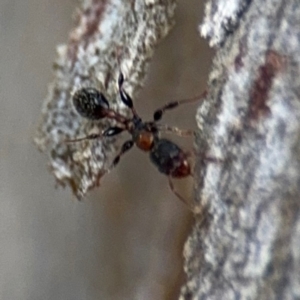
(246, 239)
(245, 242)
(110, 37)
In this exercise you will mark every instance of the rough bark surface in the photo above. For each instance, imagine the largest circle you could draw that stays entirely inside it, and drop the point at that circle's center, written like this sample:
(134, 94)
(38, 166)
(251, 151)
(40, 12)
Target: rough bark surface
(111, 36)
(246, 240)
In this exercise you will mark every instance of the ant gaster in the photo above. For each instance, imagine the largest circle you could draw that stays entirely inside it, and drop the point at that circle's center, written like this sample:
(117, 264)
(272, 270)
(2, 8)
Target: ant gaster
(169, 158)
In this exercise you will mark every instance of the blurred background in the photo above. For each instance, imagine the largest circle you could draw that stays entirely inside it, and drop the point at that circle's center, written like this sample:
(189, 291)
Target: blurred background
(125, 240)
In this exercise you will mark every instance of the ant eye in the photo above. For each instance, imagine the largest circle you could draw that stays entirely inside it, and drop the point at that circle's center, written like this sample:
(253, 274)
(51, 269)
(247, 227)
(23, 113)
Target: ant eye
(90, 103)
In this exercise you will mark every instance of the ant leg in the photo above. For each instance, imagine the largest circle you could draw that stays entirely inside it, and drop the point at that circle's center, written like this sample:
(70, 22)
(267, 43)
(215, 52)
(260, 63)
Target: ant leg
(214, 160)
(126, 147)
(159, 112)
(171, 185)
(88, 137)
(111, 131)
(175, 130)
(126, 99)
(204, 157)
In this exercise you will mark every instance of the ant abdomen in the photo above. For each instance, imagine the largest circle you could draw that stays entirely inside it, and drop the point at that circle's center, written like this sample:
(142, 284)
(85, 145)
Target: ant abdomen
(170, 159)
(90, 103)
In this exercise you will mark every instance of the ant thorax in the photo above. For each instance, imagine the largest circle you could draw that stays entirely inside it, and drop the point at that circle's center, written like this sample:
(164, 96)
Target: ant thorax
(144, 135)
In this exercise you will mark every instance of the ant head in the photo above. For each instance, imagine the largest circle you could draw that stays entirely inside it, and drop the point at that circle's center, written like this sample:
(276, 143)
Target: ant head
(90, 103)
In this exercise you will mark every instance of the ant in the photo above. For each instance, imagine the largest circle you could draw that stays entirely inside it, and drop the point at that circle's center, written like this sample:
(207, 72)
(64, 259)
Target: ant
(168, 157)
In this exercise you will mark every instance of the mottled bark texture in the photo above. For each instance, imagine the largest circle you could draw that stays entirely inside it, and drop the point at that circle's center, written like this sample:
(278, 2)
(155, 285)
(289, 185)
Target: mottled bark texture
(110, 36)
(246, 240)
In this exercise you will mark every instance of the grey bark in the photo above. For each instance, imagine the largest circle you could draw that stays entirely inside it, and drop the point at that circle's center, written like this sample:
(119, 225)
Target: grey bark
(110, 37)
(245, 243)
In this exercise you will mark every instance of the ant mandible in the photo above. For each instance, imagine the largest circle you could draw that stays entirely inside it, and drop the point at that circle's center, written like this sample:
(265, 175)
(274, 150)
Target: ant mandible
(168, 157)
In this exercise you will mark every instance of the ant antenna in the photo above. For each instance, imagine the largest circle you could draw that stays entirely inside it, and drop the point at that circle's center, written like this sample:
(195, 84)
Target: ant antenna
(126, 99)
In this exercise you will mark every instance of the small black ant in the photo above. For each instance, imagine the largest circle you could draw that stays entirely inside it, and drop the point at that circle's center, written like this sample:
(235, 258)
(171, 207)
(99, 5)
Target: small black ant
(169, 158)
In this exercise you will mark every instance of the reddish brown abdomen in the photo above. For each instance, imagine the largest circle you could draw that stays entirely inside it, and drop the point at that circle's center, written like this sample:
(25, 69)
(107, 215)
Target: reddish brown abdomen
(170, 159)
